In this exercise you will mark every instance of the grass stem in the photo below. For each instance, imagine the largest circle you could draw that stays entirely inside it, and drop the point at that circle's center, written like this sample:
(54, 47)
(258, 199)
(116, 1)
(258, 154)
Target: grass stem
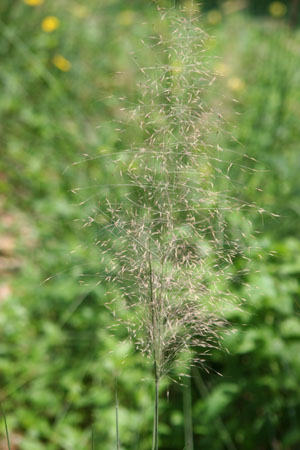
(156, 412)
(6, 428)
(117, 420)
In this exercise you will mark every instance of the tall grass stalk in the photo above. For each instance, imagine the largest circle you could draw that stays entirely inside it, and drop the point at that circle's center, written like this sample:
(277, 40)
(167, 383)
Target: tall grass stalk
(172, 238)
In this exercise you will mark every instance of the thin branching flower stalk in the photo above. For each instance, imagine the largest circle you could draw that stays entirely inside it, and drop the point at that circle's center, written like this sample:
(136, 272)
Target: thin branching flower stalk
(170, 240)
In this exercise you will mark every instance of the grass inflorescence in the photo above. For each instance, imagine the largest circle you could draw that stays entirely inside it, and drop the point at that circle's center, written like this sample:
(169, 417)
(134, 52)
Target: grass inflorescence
(171, 240)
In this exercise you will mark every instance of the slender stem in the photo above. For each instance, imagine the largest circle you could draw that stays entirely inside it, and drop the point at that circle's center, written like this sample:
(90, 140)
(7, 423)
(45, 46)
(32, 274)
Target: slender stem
(155, 366)
(117, 419)
(156, 411)
(6, 428)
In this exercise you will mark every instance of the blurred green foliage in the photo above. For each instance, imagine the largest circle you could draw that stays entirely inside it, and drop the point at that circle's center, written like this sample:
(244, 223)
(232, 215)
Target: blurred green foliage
(59, 359)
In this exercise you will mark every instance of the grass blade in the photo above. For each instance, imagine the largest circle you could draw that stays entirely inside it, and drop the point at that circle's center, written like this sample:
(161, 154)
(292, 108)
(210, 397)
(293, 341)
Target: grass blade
(6, 428)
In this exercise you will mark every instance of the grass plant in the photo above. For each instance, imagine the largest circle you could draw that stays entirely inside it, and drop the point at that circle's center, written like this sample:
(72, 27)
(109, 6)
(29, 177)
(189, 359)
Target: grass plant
(172, 247)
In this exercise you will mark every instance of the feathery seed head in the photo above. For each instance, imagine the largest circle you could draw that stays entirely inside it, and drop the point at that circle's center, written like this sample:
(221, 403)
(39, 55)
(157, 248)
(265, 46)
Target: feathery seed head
(171, 242)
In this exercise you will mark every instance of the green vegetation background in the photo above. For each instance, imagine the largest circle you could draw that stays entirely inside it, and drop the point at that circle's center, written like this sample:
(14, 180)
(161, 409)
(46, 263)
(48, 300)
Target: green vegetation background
(59, 361)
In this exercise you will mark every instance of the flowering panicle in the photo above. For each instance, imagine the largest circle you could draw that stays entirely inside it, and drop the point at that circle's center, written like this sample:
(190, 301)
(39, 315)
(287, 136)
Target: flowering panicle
(172, 249)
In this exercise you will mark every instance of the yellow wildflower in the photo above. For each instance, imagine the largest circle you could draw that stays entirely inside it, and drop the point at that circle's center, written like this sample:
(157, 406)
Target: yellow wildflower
(50, 24)
(277, 9)
(214, 17)
(61, 63)
(33, 2)
(236, 84)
